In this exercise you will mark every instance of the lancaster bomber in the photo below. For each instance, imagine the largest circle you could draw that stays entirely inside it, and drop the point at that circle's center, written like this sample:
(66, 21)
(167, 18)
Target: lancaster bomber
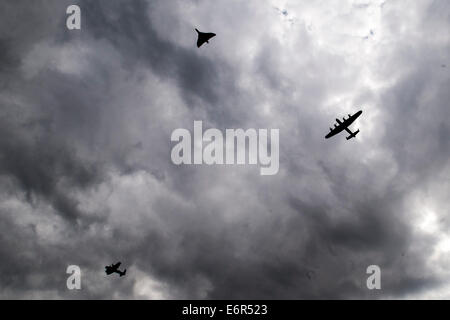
(341, 126)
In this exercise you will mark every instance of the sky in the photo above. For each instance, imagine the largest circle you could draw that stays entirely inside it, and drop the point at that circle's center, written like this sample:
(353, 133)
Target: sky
(86, 176)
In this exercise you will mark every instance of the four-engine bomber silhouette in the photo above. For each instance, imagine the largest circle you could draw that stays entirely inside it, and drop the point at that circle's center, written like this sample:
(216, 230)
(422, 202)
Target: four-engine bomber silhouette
(344, 126)
(203, 37)
(114, 268)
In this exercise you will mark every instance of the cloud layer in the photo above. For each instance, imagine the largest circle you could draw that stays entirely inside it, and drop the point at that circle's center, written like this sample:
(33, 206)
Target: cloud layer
(85, 170)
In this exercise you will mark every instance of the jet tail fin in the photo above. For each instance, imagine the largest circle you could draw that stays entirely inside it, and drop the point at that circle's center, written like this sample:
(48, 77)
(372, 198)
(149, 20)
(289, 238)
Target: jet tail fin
(123, 272)
(353, 135)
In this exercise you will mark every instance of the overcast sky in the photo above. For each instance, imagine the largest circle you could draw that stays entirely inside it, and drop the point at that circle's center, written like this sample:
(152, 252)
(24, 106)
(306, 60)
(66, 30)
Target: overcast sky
(86, 176)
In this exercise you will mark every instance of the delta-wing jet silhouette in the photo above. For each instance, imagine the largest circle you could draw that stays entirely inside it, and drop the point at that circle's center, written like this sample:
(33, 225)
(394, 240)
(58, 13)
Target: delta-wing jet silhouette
(344, 126)
(203, 37)
(114, 268)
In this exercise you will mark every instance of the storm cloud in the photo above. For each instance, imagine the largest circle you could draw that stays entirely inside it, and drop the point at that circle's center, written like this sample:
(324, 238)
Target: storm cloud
(86, 176)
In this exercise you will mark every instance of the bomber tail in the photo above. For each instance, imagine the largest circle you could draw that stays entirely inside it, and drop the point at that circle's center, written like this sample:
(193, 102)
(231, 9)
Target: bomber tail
(123, 272)
(353, 135)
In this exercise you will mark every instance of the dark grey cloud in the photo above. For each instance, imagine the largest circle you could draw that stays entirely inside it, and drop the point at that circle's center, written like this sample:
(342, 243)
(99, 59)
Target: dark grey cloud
(86, 177)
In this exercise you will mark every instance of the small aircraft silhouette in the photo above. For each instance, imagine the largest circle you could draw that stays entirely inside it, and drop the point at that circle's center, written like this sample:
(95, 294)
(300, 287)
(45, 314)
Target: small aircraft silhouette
(344, 126)
(114, 268)
(203, 37)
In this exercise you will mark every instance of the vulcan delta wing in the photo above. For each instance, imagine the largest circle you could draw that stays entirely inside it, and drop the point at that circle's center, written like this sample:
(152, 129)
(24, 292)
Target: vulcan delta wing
(203, 37)
(341, 126)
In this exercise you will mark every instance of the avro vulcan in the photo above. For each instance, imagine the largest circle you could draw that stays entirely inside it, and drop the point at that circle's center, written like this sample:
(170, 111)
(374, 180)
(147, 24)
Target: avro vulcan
(203, 37)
